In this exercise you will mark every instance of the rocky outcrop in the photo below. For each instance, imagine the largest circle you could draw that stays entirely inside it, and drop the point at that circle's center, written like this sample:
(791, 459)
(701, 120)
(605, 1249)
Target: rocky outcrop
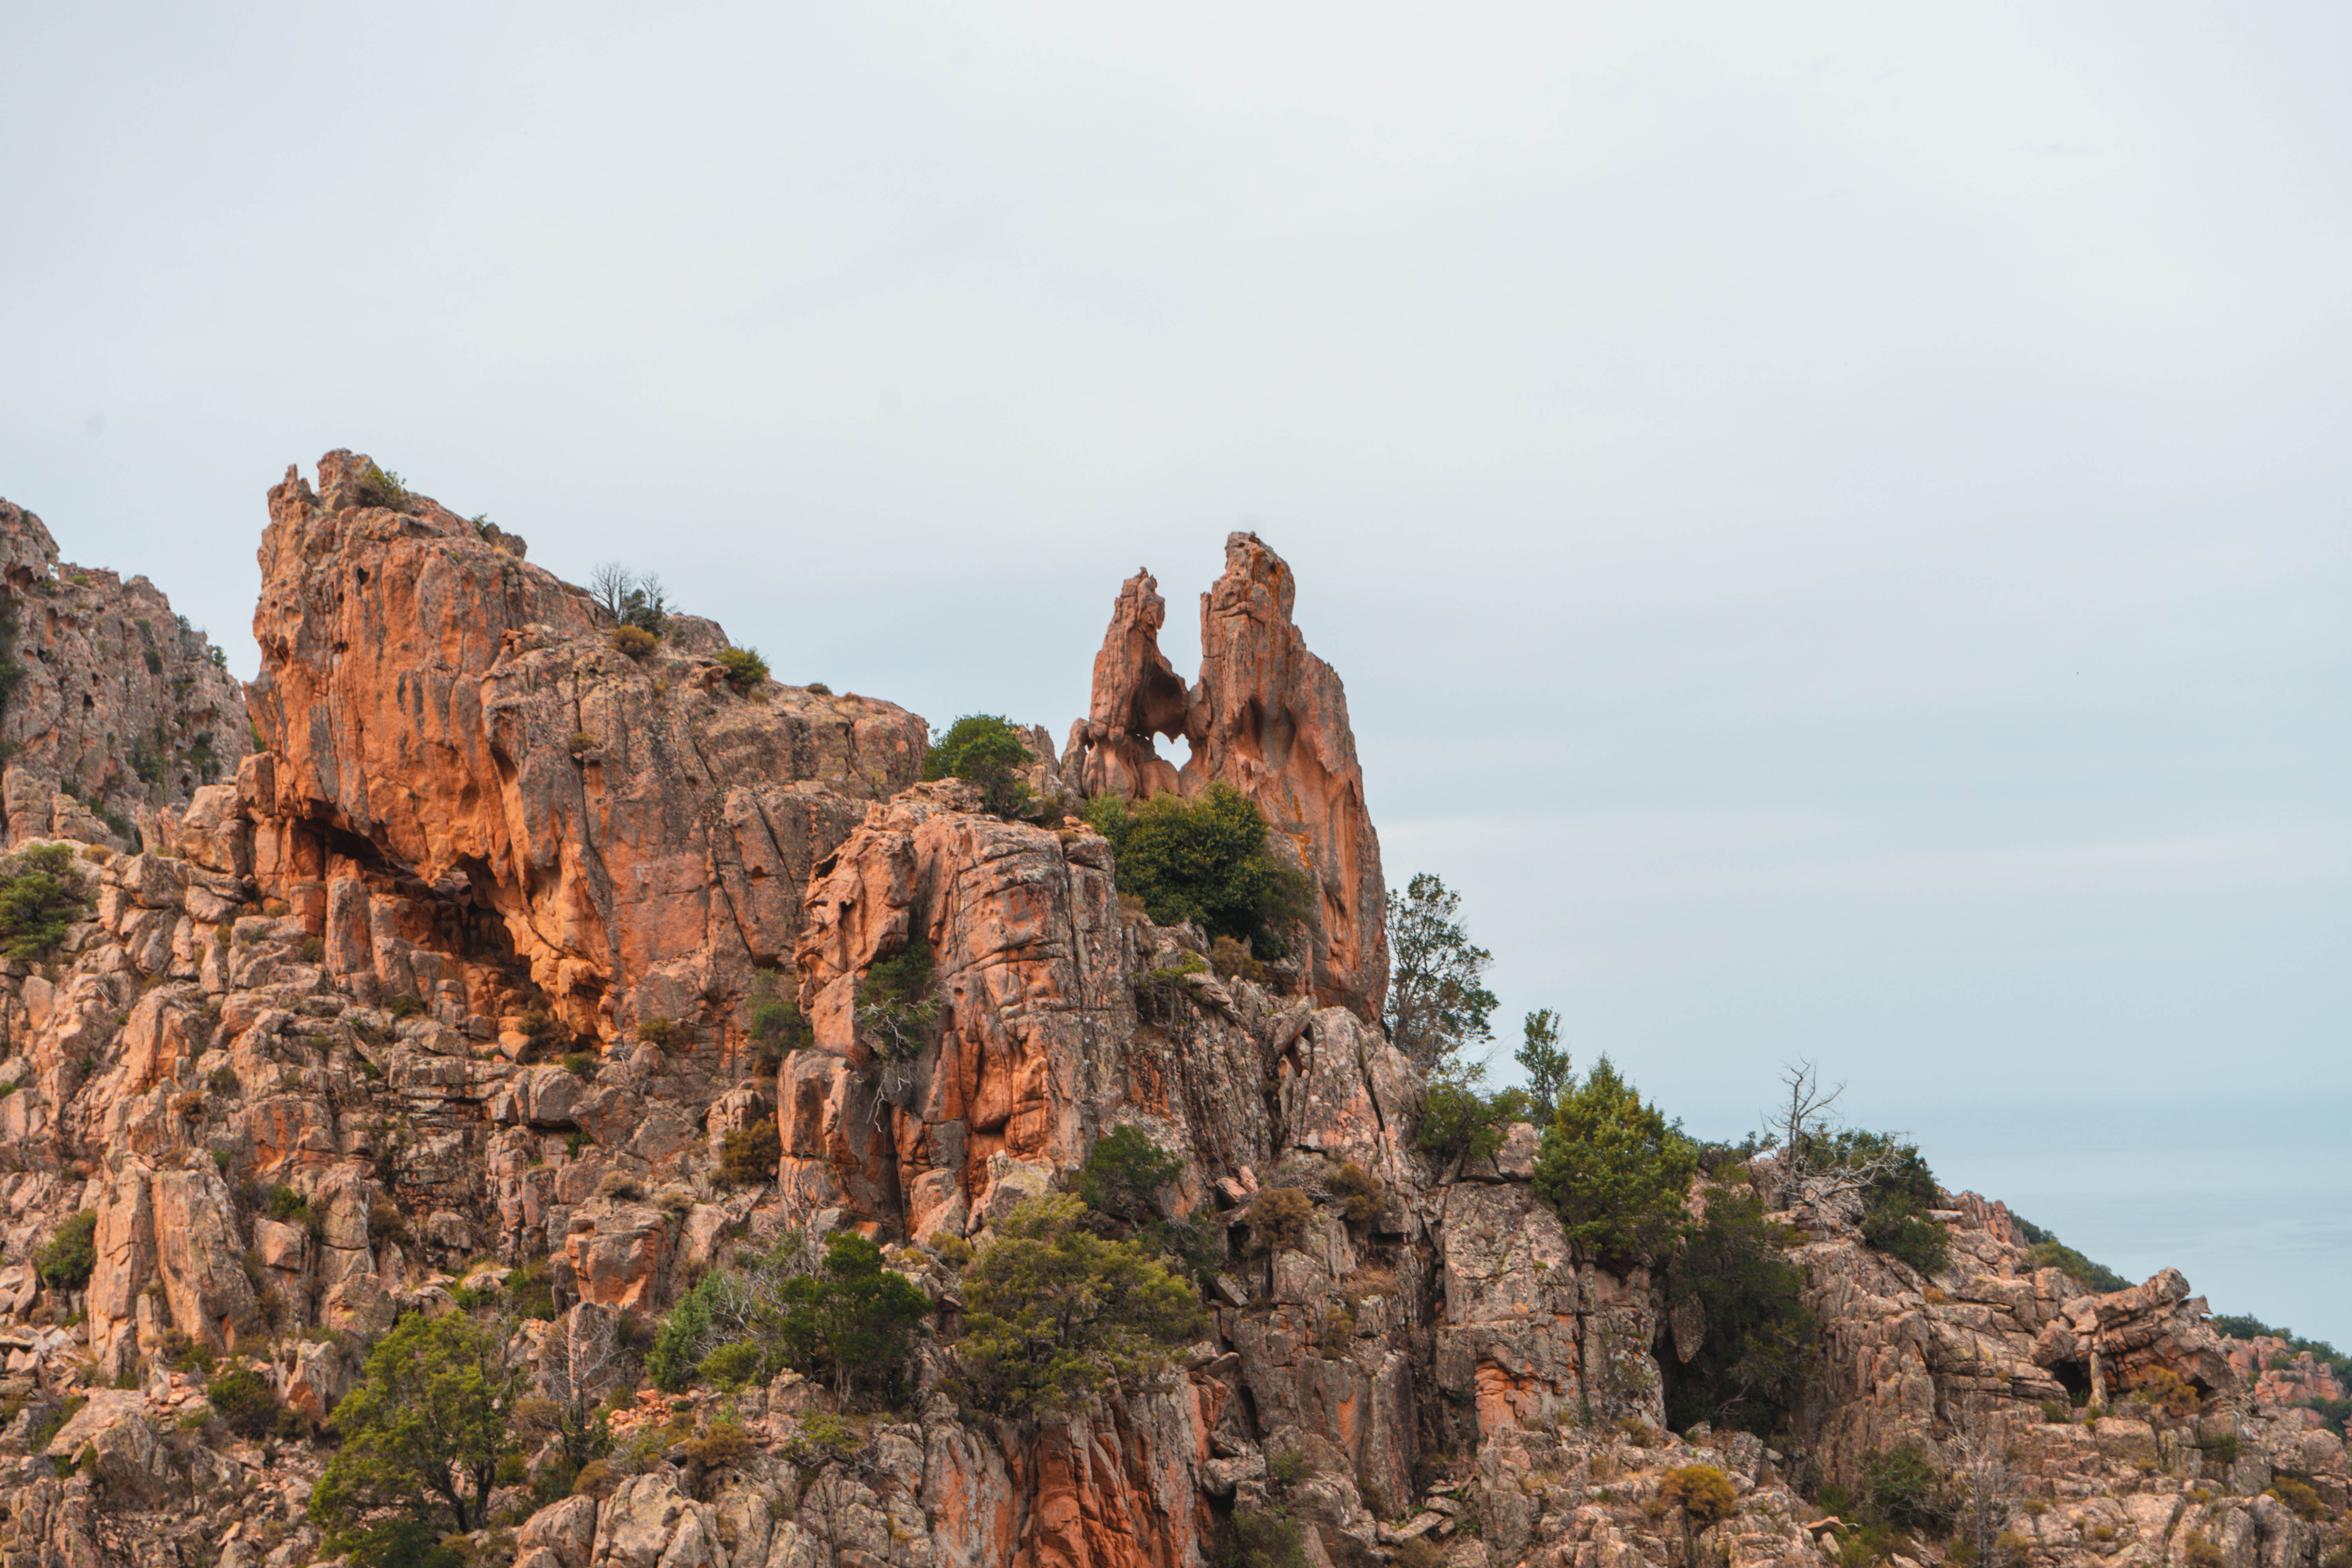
(1269, 719)
(110, 705)
(371, 1031)
(453, 730)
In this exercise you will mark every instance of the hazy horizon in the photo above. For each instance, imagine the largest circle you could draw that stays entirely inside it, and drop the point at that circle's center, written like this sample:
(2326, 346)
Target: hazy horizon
(1833, 521)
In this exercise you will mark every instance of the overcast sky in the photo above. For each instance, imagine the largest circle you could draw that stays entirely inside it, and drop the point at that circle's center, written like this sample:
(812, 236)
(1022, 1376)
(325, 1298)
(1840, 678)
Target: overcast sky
(1833, 518)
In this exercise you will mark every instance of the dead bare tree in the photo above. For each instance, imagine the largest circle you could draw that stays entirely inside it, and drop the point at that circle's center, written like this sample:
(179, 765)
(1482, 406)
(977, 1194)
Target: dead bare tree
(1984, 1485)
(1822, 1163)
(609, 585)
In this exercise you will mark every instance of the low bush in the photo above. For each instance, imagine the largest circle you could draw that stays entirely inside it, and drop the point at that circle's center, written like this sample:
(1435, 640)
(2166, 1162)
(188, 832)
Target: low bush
(748, 1158)
(634, 641)
(1205, 860)
(897, 1004)
(1278, 1217)
(1458, 1118)
(1901, 1488)
(1124, 1172)
(41, 896)
(581, 743)
(1364, 1194)
(1253, 1538)
(745, 670)
(580, 1064)
(245, 1401)
(65, 1264)
(777, 1028)
(1703, 1493)
(1233, 961)
(2162, 1389)
(660, 1033)
(2198, 1551)
(2301, 1497)
(984, 750)
(405, 1006)
(846, 1317)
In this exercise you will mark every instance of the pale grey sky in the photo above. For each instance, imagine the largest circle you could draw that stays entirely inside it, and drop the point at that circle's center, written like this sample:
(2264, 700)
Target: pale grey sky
(1832, 517)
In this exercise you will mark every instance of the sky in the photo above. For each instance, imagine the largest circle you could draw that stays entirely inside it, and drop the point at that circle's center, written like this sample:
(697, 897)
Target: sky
(1832, 517)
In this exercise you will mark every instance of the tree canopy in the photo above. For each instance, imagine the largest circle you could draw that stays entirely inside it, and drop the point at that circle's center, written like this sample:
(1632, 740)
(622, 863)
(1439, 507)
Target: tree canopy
(1615, 1170)
(1438, 1002)
(985, 751)
(424, 1430)
(1055, 1315)
(1204, 859)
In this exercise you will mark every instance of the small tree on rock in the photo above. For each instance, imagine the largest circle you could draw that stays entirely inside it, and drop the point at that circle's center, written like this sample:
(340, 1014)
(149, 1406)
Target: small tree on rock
(1615, 1170)
(985, 751)
(1438, 1002)
(424, 1430)
(1056, 1316)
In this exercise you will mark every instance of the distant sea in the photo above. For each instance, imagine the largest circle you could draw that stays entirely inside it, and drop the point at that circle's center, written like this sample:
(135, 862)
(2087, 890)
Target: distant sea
(2250, 1198)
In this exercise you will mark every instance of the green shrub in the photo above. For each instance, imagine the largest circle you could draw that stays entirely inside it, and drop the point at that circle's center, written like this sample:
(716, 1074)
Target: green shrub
(1278, 1217)
(897, 1003)
(403, 1006)
(2301, 1497)
(634, 641)
(2198, 1550)
(1703, 1493)
(1234, 961)
(985, 751)
(660, 1033)
(286, 1205)
(1286, 1467)
(1895, 1200)
(2044, 1251)
(777, 1029)
(1901, 1488)
(1123, 1172)
(581, 743)
(748, 1158)
(1056, 1315)
(849, 1317)
(1251, 1539)
(1615, 1171)
(580, 1064)
(1204, 859)
(532, 1289)
(385, 487)
(745, 670)
(65, 1264)
(1735, 1269)
(732, 1367)
(1460, 1119)
(1364, 1194)
(41, 896)
(245, 1400)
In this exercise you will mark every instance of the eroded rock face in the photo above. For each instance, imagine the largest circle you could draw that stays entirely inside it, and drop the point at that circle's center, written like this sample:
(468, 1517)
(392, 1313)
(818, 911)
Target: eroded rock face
(1268, 718)
(439, 707)
(118, 707)
(290, 1065)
